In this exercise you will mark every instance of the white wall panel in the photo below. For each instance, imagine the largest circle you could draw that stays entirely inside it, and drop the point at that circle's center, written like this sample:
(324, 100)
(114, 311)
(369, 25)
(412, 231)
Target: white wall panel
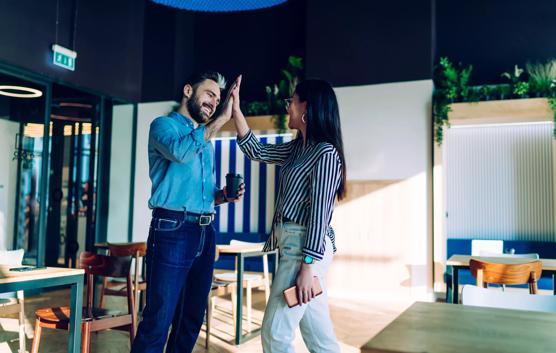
(499, 182)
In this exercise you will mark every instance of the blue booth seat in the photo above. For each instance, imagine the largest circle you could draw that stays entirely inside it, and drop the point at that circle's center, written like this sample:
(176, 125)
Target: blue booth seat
(546, 250)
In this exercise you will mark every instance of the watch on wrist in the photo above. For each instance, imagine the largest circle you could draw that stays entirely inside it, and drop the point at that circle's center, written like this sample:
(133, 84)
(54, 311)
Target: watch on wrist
(308, 260)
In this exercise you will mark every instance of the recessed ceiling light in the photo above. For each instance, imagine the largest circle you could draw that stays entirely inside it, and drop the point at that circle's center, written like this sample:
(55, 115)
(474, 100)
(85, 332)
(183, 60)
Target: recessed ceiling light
(19, 91)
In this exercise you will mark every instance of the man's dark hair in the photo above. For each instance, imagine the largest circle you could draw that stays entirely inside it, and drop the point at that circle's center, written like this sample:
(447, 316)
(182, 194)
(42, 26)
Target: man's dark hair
(195, 79)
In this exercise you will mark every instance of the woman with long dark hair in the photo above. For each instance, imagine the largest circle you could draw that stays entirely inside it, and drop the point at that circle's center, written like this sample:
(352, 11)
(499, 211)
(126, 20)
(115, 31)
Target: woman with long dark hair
(313, 176)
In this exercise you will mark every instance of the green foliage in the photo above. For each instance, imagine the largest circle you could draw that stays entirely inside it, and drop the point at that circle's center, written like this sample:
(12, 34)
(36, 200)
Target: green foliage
(453, 81)
(515, 75)
(475, 94)
(463, 85)
(451, 85)
(440, 116)
(486, 92)
(503, 91)
(276, 93)
(552, 104)
(255, 108)
(542, 77)
(520, 87)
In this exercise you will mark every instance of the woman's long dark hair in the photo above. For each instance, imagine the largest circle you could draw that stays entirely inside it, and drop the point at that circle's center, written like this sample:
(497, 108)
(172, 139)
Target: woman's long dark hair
(323, 119)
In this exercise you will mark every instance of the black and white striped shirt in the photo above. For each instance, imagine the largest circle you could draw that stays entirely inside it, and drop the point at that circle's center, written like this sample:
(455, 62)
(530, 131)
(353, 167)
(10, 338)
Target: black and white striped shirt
(309, 179)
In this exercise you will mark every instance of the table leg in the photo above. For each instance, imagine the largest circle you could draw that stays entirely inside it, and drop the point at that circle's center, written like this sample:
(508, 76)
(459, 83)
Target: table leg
(449, 288)
(239, 300)
(455, 285)
(275, 267)
(74, 339)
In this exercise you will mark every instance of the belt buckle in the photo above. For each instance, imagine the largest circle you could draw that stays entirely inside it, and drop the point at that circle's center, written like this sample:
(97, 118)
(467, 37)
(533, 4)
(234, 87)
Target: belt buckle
(205, 220)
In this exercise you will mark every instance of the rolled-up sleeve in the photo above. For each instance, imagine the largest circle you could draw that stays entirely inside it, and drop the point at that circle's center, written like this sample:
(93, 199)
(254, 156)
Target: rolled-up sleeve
(266, 153)
(165, 139)
(325, 179)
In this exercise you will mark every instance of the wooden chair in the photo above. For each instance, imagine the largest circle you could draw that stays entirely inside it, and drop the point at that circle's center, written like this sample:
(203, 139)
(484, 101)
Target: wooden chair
(9, 306)
(217, 289)
(14, 305)
(250, 281)
(506, 273)
(94, 319)
(112, 287)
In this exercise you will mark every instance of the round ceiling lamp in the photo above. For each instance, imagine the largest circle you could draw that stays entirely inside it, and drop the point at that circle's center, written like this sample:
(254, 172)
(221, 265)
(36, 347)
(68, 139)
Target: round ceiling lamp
(220, 5)
(19, 91)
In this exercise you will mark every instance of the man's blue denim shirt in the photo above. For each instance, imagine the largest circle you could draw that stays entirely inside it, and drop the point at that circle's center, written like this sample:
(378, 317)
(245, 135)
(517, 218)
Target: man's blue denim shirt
(181, 165)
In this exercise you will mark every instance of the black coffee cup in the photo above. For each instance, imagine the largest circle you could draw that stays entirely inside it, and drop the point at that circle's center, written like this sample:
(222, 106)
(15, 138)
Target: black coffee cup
(233, 181)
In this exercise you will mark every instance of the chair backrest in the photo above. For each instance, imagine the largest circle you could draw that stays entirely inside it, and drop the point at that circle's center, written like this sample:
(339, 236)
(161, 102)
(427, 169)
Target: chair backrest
(503, 273)
(128, 249)
(107, 266)
(235, 242)
(137, 250)
(103, 265)
(11, 258)
(492, 246)
(477, 296)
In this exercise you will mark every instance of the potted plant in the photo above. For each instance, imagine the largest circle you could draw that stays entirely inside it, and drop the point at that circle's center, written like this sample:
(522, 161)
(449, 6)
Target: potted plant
(284, 89)
(541, 77)
(486, 93)
(520, 88)
(275, 95)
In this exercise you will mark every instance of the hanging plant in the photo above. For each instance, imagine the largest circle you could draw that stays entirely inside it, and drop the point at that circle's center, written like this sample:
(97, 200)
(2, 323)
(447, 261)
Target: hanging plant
(451, 85)
(552, 104)
(440, 116)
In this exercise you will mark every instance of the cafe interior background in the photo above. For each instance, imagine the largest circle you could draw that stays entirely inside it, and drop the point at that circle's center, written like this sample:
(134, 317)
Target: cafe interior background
(447, 123)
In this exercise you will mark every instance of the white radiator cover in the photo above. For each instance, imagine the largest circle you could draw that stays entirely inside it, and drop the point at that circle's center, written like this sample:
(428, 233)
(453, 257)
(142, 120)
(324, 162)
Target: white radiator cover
(499, 182)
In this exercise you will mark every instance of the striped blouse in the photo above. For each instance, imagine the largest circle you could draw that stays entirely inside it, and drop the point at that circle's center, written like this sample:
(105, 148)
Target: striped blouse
(309, 179)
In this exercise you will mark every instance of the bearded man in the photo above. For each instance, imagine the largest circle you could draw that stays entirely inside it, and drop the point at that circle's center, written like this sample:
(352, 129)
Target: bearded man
(181, 241)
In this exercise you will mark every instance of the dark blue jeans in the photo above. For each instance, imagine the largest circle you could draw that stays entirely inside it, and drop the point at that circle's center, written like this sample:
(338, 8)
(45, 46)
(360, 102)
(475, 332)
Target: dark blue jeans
(180, 263)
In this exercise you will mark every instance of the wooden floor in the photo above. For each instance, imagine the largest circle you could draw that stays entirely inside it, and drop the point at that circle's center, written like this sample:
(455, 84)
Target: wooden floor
(355, 323)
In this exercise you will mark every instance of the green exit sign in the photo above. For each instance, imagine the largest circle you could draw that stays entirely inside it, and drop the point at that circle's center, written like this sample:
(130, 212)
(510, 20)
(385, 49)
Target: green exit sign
(64, 57)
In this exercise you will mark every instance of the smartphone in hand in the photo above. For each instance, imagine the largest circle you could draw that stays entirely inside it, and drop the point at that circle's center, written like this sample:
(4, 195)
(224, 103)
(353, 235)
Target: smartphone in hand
(290, 294)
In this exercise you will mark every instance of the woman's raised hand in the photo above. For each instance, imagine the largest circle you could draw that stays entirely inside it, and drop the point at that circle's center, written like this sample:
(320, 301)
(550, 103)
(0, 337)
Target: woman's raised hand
(235, 95)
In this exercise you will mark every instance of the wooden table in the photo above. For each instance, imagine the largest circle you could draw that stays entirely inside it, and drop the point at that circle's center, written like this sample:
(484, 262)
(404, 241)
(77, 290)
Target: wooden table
(458, 262)
(241, 252)
(445, 328)
(49, 277)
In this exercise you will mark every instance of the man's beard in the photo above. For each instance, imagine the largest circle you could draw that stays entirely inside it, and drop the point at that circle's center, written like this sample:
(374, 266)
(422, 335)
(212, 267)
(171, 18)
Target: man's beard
(194, 108)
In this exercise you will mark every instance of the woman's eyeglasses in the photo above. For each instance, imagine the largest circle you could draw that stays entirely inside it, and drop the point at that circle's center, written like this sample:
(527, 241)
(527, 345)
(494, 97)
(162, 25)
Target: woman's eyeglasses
(287, 102)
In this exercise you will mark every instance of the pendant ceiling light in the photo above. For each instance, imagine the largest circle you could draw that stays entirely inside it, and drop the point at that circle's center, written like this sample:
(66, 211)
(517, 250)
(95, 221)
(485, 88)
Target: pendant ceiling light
(220, 5)
(19, 91)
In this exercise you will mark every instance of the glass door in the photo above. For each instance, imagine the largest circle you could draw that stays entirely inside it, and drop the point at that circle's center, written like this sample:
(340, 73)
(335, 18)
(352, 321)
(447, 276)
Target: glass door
(24, 153)
(73, 184)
